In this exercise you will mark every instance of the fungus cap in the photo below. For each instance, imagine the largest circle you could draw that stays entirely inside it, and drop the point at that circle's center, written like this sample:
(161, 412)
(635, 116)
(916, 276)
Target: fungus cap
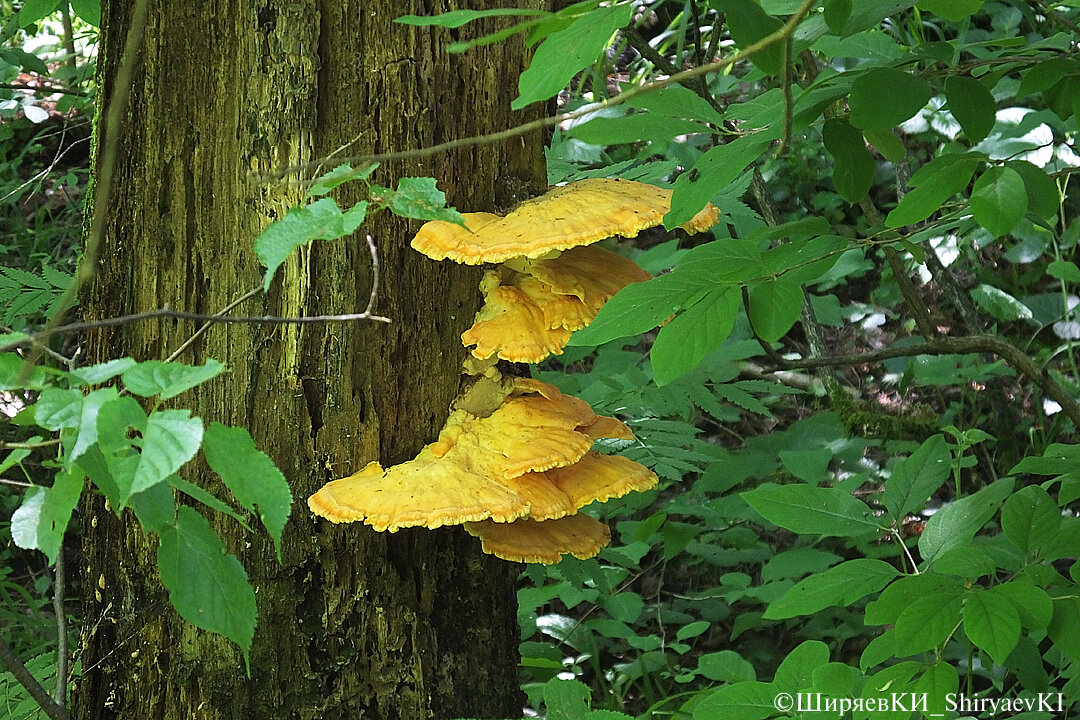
(599, 477)
(579, 213)
(591, 274)
(545, 542)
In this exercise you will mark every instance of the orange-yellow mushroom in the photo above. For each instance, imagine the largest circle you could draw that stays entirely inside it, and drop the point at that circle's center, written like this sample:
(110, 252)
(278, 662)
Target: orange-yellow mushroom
(546, 541)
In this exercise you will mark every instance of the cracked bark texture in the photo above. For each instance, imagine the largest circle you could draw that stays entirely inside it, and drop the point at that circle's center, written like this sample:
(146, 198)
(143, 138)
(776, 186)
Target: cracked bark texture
(353, 623)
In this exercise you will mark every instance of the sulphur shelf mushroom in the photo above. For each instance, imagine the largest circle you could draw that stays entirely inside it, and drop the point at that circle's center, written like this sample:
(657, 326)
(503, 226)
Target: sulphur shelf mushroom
(552, 280)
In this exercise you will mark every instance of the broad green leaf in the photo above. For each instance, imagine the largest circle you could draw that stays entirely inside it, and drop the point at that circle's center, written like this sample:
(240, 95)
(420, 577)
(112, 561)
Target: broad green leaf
(991, 623)
(208, 587)
(938, 684)
(749, 23)
(774, 307)
(1062, 629)
(1047, 74)
(637, 308)
(956, 523)
(1032, 602)
(251, 476)
(692, 630)
(853, 168)
(86, 433)
(716, 169)
(972, 105)
(417, 197)
(999, 200)
(171, 438)
(155, 508)
(1057, 459)
(1064, 270)
(206, 498)
(796, 670)
(339, 176)
(729, 261)
(726, 665)
(676, 101)
(88, 10)
(926, 623)
(838, 586)
(695, 332)
(114, 418)
(565, 52)
(566, 699)
(966, 562)
(887, 144)
(102, 372)
(457, 18)
(837, 13)
(1043, 196)
(321, 220)
(167, 379)
(999, 304)
(884, 97)
(894, 599)
(639, 127)
(1030, 519)
(100, 472)
(11, 374)
(796, 563)
(34, 10)
(916, 478)
(813, 510)
(880, 649)
(40, 521)
(58, 408)
(955, 10)
(625, 606)
(932, 185)
(739, 701)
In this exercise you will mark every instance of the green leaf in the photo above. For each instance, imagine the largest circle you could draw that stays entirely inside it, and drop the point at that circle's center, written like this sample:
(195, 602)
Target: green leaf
(457, 18)
(1043, 196)
(40, 521)
(1046, 74)
(167, 379)
(339, 176)
(716, 169)
(97, 374)
(813, 510)
(748, 23)
(886, 609)
(637, 308)
(1030, 519)
(88, 10)
(566, 699)
(155, 508)
(205, 497)
(999, 304)
(837, 13)
(739, 701)
(725, 665)
(676, 101)
(115, 418)
(87, 429)
(853, 167)
(932, 185)
(208, 587)
(926, 623)
(955, 10)
(1033, 603)
(565, 52)
(1057, 459)
(838, 586)
(1064, 270)
(774, 307)
(956, 523)
(418, 198)
(34, 10)
(692, 630)
(972, 105)
(1062, 629)
(884, 97)
(999, 199)
(886, 143)
(639, 127)
(625, 606)
(938, 685)
(321, 220)
(684, 342)
(58, 408)
(251, 476)
(991, 623)
(171, 438)
(916, 478)
(796, 670)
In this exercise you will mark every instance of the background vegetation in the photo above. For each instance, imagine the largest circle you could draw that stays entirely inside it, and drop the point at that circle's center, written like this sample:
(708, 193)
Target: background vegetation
(860, 405)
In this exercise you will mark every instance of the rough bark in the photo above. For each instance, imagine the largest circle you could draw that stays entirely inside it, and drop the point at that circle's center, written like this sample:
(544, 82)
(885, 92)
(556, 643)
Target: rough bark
(353, 623)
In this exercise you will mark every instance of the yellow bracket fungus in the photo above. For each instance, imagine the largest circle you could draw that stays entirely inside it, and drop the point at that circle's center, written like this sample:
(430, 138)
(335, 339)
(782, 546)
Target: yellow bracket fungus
(546, 541)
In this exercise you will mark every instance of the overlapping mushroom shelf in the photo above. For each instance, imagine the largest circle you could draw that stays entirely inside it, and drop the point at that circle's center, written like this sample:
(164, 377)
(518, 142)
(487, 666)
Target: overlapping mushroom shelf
(514, 463)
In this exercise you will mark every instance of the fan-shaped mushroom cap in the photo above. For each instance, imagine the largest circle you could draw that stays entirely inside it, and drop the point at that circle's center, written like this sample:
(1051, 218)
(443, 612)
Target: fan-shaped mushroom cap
(546, 541)
(607, 427)
(427, 491)
(580, 213)
(591, 274)
(600, 477)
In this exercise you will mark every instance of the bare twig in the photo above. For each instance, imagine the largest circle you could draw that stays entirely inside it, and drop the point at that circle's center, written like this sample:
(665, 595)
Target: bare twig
(42, 89)
(374, 280)
(787, 29)
(206, 326)
(60, 694)
(789, 101)
(28, 681)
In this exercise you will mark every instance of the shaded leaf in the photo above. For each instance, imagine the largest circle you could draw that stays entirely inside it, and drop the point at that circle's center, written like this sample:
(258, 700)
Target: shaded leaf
(932, 185)
(167, 379)
(417, 197)
(956, 523)
(321, 220)
(813, 510)
(838, 586)
(999, 199)
(774, 307)
(853, 169)
(884, 97)
(991, 623)
(695, 332)
(972, 105)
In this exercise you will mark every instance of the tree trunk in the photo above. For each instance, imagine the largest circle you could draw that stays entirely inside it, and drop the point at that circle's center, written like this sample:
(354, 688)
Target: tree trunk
(353, 623)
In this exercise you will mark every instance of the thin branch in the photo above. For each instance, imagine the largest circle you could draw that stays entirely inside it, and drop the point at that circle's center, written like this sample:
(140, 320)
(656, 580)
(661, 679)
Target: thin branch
(16, 483)
(789, 101)
(768, 41)
(960, 346)
(28, 681)
(112, 129)
(206, 326)
(28, 445)
(374, 279)
(60, 694)
(42, 89)
(1052, 13)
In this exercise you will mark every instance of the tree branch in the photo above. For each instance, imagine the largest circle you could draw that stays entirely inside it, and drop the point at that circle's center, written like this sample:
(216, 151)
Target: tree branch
(28, 681)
